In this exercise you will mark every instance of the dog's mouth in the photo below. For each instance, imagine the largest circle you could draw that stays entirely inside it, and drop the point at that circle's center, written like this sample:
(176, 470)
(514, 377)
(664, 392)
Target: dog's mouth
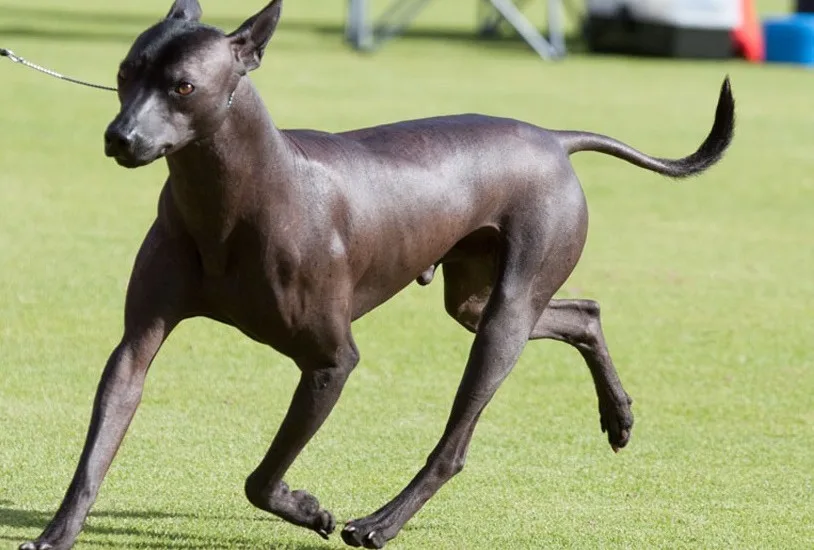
(130, 162)
(136, 160)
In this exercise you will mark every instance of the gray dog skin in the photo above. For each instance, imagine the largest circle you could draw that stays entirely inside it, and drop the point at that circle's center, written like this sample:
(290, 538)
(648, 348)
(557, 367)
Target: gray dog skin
(290, 236)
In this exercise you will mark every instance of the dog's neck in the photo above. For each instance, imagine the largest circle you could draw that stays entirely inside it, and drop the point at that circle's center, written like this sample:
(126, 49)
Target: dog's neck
(215, 180)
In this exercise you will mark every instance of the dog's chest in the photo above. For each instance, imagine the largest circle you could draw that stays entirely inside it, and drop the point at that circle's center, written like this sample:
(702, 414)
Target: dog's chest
(256, 294)
(254, 309)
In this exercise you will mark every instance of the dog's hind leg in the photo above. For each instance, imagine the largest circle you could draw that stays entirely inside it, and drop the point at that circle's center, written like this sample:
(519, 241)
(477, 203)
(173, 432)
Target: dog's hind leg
(576, 322)
(467, 286)
(513, 307)
(155, 304)
(323, 375)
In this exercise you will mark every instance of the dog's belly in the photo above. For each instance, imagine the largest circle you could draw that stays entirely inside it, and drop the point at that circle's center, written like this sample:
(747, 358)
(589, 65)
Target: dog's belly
(440, 235)
(419, 224)
(382, 283)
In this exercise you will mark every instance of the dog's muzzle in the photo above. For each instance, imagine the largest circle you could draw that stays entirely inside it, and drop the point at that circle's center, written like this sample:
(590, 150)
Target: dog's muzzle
(128, 148)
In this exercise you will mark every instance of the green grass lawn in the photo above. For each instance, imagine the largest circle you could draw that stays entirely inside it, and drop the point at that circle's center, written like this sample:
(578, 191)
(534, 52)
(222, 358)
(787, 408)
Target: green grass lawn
(706, 287)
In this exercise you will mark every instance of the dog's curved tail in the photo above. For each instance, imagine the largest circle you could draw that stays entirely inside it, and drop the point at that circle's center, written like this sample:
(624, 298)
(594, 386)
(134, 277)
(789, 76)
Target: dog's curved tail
(710, 151)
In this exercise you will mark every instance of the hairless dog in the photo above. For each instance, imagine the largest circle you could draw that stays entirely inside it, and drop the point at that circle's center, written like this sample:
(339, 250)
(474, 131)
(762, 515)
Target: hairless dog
(292, 235)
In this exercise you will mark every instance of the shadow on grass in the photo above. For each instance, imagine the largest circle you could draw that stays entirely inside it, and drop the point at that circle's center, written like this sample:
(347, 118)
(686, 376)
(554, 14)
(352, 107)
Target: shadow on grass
(13, 517)
(34, 520)
(125, 26)
(29, 519)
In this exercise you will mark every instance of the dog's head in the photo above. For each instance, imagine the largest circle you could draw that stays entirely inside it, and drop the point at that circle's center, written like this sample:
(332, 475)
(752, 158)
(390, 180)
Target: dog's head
(177, 81)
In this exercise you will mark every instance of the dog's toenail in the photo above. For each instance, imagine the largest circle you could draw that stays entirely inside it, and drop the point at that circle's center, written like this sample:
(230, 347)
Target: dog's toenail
(370, 535)
(350, 529)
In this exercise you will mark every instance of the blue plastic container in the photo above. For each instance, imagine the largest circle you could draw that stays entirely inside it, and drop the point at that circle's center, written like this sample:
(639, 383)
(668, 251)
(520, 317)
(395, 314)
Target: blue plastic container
(790, 39)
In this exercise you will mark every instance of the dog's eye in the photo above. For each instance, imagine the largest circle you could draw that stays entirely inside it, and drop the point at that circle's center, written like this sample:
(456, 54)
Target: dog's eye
(184, 88)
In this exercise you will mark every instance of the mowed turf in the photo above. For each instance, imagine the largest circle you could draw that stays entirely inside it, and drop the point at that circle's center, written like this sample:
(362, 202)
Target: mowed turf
(705, 286)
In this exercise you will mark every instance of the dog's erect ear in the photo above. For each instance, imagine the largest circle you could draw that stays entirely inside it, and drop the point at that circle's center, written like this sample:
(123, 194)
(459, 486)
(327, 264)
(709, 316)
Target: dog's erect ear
(189, 10)
(249, 41)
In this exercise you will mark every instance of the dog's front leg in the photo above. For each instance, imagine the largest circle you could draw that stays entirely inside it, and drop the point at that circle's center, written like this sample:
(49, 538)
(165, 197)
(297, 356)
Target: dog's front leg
(117, 397)
(159, 282)
(320, 385)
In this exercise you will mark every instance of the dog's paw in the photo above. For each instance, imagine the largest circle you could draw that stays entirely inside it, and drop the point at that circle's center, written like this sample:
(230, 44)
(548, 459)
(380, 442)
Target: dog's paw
(616, 419)
(324, 523)
(297, 507)
(360, 536)
(58, 535)
(371, 532)
(37, 545)
(309, 514)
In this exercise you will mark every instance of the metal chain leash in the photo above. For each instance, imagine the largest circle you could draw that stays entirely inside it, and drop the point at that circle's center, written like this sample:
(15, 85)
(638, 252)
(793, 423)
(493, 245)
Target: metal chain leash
(17, 59)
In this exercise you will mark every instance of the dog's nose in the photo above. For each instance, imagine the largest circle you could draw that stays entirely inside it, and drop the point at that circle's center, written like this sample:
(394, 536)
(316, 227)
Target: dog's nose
(118, 141)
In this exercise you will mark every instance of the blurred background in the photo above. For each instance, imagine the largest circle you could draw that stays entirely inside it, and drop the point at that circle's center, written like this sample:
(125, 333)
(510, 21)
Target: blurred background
(705, 286)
